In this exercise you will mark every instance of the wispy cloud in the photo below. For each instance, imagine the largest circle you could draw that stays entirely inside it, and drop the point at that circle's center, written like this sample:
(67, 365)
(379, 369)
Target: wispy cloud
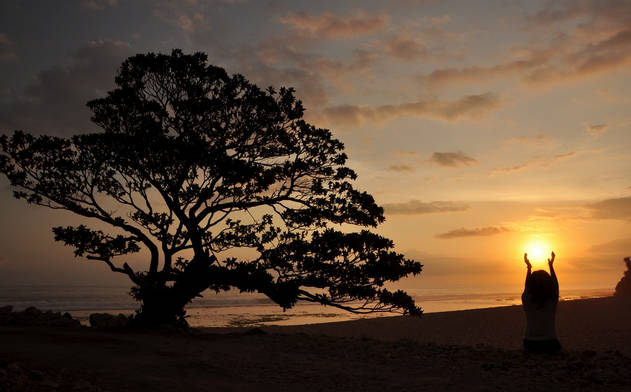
(597, 129)
(332, 25)
(406, 154)
(475, 232)
(452, 159)
(618, 246)
(470, 106)
(609, 54)
(600, 42)
(405, 47)
(417, 207)
(530, 58)
(541, 162)
(401, 168)
(617, 208)
(537, 139)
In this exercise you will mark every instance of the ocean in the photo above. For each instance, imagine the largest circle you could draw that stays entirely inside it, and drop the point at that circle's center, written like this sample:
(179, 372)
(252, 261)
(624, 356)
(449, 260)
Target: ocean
(231, 308)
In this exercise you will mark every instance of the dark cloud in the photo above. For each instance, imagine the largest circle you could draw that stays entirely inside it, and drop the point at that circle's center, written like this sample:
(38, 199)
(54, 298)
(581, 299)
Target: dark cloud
(6, 48)
(470, 106)
(475, 232)
(619, 208)
(55, 102)
(452, 159)
(417, 207)
(98, 5)
(332, 25)
(597, 129)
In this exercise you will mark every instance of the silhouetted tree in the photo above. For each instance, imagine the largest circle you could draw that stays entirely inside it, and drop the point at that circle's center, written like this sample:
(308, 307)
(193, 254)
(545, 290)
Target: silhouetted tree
(623, 288)
(222, 182)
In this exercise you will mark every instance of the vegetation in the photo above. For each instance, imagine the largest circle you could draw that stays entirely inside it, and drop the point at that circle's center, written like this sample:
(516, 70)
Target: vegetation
(222, 183)
(623, 288)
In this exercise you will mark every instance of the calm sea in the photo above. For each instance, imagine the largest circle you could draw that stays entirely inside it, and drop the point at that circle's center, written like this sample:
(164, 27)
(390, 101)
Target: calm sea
(235, 309)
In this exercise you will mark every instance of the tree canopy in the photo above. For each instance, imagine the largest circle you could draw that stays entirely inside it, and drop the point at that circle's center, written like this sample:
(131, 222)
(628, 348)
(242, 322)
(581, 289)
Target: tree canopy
(222, 182)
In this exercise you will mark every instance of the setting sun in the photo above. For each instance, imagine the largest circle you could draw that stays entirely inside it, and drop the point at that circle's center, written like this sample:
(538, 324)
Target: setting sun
(538, 252)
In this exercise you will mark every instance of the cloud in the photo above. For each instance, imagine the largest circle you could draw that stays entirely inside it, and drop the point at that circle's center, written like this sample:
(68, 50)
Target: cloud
(406, 154)
(6, 48)
(541, 162)
(401, 168)
(452, 159)
(55, 102)
(470, 107)
(417, 207)
(475, 232)
(405, 47)
(617, 208)
(600, 42)
(609, 54)
(594, 16)
(331, 25)
(99, 5)
(538, 139)
(620, 246)
(597, 129)
(532, 58)
(284, 61)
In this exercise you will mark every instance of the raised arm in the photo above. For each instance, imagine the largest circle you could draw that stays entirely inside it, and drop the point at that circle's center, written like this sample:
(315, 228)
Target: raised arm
(553, 274)
(528, 270)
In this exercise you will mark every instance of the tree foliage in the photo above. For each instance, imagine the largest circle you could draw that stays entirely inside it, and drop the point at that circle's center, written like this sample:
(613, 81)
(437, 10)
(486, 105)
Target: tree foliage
(223, 183)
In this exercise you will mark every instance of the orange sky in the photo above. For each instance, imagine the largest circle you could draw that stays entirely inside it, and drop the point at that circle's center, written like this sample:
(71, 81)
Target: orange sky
(479, 126)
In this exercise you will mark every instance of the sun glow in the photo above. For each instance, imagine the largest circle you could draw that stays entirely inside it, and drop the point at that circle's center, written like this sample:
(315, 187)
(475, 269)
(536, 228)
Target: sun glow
(538, 252)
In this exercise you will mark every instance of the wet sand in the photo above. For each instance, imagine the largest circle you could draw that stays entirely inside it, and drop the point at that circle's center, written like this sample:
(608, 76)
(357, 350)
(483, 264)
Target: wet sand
(474, 350)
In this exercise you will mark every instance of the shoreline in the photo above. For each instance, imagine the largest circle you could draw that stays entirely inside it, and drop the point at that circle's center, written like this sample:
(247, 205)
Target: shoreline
(257, 314)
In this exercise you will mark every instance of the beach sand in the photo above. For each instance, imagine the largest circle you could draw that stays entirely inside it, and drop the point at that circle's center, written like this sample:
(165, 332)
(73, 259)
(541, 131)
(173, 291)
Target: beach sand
(473, 350)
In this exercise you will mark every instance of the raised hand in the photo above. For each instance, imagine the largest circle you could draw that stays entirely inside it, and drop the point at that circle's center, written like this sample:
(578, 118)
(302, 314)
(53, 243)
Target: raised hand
(551, 259)
(527, 261)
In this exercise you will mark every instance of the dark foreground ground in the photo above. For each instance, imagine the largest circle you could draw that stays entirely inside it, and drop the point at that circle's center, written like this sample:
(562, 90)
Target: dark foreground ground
(365, 355)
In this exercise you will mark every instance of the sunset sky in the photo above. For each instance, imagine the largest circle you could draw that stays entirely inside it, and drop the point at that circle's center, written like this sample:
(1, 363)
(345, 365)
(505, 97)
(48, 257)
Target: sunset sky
(480, 126)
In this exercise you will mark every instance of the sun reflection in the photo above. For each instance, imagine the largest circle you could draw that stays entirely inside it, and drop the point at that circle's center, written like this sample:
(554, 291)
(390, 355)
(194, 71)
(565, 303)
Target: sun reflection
(538, 252)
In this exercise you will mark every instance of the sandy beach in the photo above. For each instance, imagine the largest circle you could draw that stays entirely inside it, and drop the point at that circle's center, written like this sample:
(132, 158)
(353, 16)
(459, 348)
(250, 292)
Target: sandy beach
(473, 350)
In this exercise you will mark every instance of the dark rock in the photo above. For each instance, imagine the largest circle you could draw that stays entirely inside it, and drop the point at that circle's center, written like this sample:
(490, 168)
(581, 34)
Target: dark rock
(32, 311)
(5, 312)
(32, 316)
(255, 331)
(106, 320)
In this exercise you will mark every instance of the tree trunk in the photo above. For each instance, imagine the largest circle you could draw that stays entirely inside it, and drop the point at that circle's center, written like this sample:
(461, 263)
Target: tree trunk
(163, 304)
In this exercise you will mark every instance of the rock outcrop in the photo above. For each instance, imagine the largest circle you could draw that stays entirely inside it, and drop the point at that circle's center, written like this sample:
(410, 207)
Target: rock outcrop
(31, 317)
(106, 320)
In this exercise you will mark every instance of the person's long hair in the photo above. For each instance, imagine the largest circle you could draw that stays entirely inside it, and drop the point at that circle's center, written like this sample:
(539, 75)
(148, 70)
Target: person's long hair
(541, 287)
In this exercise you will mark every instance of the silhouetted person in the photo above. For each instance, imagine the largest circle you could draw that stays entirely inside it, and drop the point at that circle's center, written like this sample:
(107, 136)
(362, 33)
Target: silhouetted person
(540, 299)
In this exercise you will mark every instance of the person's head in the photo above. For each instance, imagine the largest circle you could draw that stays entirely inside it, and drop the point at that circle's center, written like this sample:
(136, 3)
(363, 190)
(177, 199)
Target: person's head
(542, 287)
